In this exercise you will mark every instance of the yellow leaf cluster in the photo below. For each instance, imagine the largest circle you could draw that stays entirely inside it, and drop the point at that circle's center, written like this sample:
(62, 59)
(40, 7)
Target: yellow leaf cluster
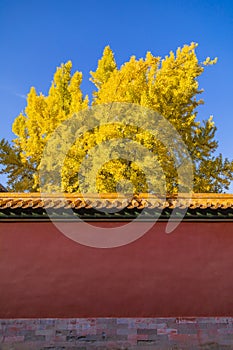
(168, 86)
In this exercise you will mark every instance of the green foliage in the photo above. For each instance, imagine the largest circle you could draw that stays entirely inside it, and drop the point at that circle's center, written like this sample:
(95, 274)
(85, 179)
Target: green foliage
(20, 171)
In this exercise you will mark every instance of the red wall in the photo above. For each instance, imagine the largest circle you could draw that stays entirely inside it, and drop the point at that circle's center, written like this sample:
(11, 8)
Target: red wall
(186, 273)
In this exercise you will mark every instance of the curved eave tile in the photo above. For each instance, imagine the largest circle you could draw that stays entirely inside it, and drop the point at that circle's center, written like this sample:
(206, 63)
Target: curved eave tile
(204, 204)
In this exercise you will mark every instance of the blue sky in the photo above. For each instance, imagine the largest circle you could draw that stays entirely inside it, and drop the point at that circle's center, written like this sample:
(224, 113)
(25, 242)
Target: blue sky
(37, 36)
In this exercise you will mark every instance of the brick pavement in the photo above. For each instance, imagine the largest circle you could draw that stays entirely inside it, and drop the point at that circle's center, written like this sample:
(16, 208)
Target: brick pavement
(117, 334)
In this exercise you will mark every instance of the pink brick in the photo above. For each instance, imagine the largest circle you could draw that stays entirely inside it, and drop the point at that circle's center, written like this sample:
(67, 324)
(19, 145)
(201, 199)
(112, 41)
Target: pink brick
(14, 339)
(60, 338)
(132, 338)
(142, 337)
(140, 320)
(72, 321)
(31, 327)
(13, 329)
(186, 339)
(168, 331)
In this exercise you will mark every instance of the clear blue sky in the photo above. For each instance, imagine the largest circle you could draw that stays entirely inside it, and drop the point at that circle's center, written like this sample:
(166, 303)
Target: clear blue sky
(37, 36)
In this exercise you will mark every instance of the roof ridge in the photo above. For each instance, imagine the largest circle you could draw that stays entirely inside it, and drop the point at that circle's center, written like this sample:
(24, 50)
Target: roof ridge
(32, 195)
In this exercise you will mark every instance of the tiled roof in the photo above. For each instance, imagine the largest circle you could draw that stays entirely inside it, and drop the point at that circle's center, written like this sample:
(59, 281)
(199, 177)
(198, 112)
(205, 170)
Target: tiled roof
(112, 206)
(77, 201)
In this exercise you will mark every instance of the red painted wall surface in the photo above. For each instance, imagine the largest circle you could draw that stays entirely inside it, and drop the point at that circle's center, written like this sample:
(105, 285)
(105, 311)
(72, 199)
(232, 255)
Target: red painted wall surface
(186, 273)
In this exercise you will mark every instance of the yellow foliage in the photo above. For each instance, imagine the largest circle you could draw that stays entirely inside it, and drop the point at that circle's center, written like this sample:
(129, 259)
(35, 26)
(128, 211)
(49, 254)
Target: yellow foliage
(168, 86)
(44, 113)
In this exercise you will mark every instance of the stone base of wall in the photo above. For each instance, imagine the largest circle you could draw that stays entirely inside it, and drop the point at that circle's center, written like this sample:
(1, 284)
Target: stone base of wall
(117, 333)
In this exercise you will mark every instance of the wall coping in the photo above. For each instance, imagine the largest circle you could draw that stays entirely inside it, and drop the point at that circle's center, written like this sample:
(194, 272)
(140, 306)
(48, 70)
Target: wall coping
(196, 206)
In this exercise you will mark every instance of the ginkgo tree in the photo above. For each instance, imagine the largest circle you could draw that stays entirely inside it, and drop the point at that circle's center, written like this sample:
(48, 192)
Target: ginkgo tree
(168, 86)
